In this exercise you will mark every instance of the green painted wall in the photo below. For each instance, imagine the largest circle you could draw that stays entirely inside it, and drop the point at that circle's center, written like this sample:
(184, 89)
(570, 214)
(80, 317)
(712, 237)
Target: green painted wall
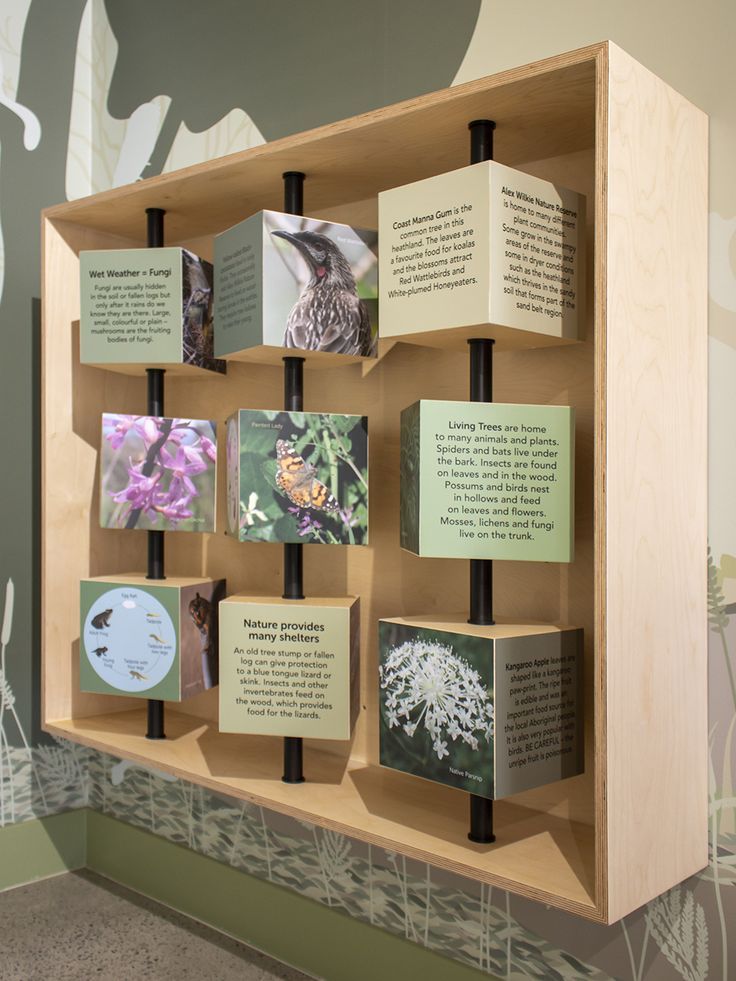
(39, 849)
(299, 931)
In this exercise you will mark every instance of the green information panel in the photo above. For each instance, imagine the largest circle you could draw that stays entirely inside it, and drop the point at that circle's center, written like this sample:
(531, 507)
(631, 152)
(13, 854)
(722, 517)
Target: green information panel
(487, 481)
(146, 306)
(289, 669)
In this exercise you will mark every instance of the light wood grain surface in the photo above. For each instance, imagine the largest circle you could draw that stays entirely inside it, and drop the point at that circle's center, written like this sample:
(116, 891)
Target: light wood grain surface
(386, 808)
(656, 478)
(600, 844)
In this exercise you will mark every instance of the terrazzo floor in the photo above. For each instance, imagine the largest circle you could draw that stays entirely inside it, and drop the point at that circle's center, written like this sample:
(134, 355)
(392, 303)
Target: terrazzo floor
(80, 926)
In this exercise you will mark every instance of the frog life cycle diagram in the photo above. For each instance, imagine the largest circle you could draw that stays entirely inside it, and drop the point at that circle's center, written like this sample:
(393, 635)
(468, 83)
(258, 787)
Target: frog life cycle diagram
(129, 639)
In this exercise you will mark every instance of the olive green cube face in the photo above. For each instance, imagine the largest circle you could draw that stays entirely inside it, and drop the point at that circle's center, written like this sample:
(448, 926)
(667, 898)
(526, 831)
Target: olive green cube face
(286, 282)
(289, 668)
(147, 307)
(149, 640)
(489, 710)
(488, 481)
(482, 246)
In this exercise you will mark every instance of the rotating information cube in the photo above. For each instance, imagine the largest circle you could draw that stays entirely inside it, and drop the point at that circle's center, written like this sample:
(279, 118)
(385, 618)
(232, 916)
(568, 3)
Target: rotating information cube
(147, 308)
(151, 638)
(158, 474)
(288, 283)
(484, 245)
(488, 480)
(490, 710)
(289, 668)
(298, 477)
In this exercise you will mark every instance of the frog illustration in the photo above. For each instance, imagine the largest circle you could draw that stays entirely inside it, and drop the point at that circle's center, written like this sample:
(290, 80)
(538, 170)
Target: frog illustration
(101, 620)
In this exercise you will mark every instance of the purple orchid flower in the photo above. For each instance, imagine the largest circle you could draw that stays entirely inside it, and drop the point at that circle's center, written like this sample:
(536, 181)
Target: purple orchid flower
(209, 448)
(162, 472)
(176, 510)
(121, 427)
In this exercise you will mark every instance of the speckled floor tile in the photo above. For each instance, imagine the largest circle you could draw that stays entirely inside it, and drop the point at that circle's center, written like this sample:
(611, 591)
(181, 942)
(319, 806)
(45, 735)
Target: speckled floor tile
(80, 926)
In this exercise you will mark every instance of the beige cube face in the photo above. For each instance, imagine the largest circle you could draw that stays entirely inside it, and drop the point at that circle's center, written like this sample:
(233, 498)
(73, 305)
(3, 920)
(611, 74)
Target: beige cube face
(482, 247)
(289, 668)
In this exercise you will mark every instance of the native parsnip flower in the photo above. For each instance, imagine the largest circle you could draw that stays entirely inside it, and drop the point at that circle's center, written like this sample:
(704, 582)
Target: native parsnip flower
(427, 683)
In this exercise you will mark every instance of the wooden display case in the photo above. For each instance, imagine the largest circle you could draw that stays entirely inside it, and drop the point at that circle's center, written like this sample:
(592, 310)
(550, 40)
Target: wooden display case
(635, 823)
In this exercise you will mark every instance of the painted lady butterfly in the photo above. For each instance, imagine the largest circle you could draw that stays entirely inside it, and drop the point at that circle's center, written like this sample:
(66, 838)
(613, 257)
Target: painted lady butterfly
(297, 479)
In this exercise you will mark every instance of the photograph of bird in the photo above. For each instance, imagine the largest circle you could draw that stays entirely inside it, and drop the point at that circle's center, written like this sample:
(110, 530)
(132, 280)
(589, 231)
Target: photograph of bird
(198, 330)
(329, 315)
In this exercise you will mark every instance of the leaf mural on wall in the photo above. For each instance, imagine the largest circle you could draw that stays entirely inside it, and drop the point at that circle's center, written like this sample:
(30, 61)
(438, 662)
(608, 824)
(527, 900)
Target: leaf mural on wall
(31, 124)
(719, 620)
(319, 75)
(30, 179)
(677, 923)
(9, 719)
(104, 152)
(234, 132)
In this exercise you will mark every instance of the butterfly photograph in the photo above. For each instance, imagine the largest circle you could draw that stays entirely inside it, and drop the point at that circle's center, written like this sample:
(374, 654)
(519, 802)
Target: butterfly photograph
(298, 477)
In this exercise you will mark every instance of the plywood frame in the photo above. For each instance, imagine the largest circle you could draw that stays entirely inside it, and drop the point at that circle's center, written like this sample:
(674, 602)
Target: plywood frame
(595, 121)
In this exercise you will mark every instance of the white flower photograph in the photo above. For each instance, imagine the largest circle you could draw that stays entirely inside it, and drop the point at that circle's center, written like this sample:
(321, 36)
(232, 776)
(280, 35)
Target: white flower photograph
(436, 696)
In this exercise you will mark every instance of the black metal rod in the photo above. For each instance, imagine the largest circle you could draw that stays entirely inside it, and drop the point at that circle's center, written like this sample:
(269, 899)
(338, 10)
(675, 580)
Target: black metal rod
(155, 228)
(155, 390)
(481, 570)
(481, 820)
(293, 384)
(293, 760)
(293, 552)
(293, 192)
(481, 140)
(155, 407)
(155, 728)
(155, 555)
(293, 571)
(481, 592)
(481, 369)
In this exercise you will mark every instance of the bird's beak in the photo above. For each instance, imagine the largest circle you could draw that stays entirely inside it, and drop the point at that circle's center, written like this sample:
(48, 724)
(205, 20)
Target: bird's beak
(298, 244)
(289, 236)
